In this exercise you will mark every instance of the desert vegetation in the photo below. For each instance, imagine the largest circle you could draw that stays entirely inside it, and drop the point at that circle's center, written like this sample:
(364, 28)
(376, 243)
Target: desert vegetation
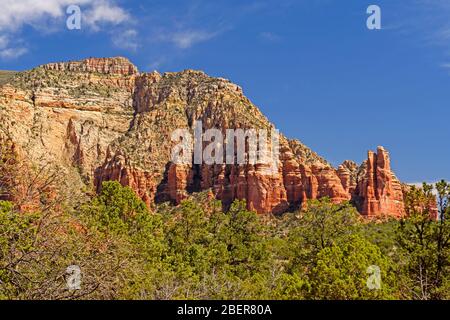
(197, 251)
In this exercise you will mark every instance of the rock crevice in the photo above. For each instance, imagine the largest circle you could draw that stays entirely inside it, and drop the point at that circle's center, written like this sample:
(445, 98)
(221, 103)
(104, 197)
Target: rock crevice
(100, 119)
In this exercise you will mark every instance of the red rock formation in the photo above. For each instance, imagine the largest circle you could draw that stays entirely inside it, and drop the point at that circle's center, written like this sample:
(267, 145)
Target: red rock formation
(180, 177)
(329, 184)
(265, 191)
(262, 189)
(347, 172)
(106, 104)
(118, 65)
(294, 179)
(118, 168)
(304, 182)
(378, 192)
(21, 184)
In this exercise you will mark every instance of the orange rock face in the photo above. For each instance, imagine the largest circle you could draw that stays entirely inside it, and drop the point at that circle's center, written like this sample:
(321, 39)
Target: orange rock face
(117, 65)
(347, 173)
(263, 190)
(378, 192)
(99, 119)
(117, 168)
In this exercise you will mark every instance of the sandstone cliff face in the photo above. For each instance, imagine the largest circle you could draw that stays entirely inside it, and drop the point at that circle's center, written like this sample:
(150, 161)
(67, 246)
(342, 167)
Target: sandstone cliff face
(118, 65)
(378, 191)
(100, 119)
(347, 172)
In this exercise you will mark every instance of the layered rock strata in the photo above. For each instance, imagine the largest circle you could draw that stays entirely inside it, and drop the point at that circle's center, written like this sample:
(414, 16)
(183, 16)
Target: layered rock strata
(100, 120)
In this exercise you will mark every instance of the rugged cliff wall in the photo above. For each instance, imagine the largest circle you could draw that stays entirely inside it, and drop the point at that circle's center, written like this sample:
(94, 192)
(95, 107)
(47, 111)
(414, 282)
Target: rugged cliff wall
(100, 119)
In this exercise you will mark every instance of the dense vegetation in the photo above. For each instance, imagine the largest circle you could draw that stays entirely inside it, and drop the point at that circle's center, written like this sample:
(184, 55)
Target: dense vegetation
(198, 251)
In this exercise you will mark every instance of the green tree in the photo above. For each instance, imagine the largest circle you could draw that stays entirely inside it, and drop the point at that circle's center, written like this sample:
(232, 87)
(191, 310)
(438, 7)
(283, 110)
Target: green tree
(342, 270)
(116, 208)
(319, 226)
(17, 240)
(36, 249)
(426, 243)
(117, 214)
(245, 240)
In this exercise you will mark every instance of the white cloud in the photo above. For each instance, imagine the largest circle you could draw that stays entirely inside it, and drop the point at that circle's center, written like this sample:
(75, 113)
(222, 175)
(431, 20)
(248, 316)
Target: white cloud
(186, 39)
(157, 63)
(12, 53)
(9, 51)
(431, 21)
(48, 15)
(270, 36)
(15, 14)
(126, 40)
(104, 12)
(4, 41)
(420, 185)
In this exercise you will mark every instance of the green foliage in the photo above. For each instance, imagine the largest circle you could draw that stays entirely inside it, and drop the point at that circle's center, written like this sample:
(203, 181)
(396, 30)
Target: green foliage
(17, 235)
(383, 234)
(116, 208)
(209, 246)
(198, 251)
(36, 249)
(443, 190)
(341, 271)
(328, 257)
(425, 243)
(319, 227)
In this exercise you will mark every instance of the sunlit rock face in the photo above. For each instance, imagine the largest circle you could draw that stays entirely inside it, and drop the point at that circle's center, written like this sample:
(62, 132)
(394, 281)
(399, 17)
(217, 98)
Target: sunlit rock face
(100, 119)
(378, 191)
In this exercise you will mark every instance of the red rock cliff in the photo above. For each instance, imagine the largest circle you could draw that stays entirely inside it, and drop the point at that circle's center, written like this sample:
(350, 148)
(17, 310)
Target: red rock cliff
(100, 119)
(378, 191)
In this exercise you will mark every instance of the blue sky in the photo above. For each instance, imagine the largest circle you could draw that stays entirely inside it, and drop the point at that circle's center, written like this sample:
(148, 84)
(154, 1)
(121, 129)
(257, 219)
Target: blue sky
(311, 66)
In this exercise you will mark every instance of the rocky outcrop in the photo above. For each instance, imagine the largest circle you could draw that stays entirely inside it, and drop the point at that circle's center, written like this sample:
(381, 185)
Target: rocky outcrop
(118, 65)
(347, 173)
(100, 120)
(378, 191)
(117, 167)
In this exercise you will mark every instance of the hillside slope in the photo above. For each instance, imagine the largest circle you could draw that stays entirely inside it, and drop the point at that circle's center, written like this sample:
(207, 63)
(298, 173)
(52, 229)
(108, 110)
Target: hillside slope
(100, 119)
